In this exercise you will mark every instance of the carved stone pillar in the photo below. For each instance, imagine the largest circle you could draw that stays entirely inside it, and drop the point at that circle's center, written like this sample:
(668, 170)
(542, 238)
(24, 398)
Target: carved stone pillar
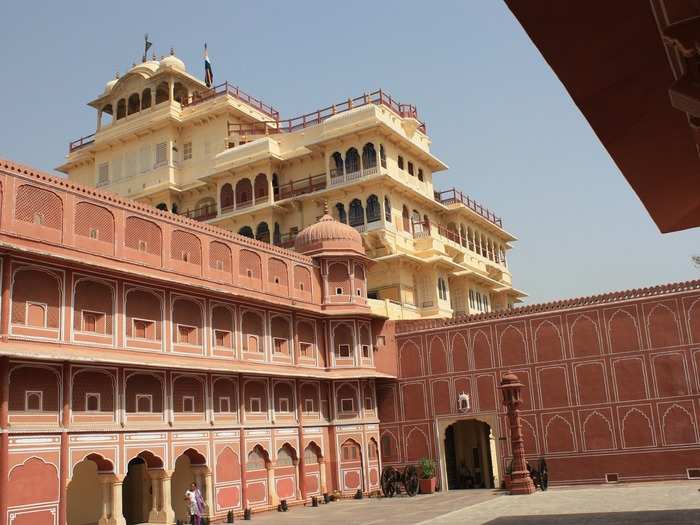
(105, 492)
(521, 483)
(166, 510)
(271, 487)
(116, 515)
(322, 474)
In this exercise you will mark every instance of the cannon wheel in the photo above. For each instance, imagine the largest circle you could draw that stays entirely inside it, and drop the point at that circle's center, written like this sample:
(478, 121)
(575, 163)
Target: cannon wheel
(544, 474)
(410, 480)
(388, 482)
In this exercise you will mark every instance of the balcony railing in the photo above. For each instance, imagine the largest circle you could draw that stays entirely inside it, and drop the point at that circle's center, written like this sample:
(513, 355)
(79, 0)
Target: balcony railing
(381, 98)
(453, 196)
(203, 213)
(82, 141)
(301, 186)
(234, 91)
(286, 240)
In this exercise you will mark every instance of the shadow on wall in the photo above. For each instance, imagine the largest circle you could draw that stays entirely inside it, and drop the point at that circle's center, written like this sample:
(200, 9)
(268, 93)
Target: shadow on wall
(677, 517)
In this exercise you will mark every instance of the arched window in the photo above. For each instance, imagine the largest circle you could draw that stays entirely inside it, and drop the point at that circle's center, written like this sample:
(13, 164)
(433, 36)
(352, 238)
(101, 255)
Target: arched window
(406, 219)
(244, 193)
(179, 92)
(420, 174)
(357, 214)
(387, 209)
(352, 161)
(134, 104)
(369, 156)
(262, 233)
(382, 155)
(162, 206)
(162, 92)
(226, 196)
(146, 98)
(340, 208)
(373, 211)
(121, 108)
(260, 185)
(246, 231)
(336, 164)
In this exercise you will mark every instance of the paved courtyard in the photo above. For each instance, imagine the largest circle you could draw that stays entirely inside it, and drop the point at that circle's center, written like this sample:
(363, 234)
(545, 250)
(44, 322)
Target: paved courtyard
(676, 503)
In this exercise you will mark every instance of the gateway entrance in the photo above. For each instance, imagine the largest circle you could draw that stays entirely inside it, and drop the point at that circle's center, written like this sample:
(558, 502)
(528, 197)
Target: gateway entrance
(469, 447)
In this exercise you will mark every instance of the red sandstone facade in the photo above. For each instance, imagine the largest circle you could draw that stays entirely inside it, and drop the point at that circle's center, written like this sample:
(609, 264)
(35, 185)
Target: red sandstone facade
(140, 351)
(611, 385)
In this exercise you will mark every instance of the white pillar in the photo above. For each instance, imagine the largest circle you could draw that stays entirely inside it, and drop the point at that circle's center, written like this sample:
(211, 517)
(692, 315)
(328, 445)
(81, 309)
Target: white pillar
(153, 515)
(322, 475)
(167, 512)
(271, 487)
(116, 515)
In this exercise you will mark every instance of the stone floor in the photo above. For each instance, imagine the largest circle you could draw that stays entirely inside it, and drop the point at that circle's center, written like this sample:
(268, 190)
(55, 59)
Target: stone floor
(676, 503)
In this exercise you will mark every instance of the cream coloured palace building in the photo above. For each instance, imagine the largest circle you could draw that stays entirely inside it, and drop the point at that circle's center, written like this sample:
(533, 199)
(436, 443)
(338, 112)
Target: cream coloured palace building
(226, 158)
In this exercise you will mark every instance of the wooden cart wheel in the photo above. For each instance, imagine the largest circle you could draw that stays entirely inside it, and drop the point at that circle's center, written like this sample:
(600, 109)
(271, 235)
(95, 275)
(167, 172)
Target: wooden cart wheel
(388, 481)
(410, 480)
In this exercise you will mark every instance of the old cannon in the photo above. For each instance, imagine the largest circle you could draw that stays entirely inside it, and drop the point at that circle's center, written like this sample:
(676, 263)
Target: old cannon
(392, 480)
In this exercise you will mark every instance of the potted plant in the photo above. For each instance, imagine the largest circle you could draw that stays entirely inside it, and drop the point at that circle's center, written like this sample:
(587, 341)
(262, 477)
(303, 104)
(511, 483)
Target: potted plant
(427, 476)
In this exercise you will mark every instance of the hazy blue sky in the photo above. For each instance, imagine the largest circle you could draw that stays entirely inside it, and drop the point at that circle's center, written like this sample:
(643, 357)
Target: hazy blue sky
(496, 113)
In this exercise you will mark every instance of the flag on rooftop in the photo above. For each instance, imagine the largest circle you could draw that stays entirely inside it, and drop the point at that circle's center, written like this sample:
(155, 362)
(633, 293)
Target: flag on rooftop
(208, 74)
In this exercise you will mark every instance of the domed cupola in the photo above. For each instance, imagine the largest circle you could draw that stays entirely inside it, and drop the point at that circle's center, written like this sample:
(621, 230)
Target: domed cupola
(172, 62)
(337, 249)
(329, 236)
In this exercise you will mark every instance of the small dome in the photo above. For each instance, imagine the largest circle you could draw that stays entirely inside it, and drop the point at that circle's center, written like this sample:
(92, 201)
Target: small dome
(329, 235)
(149, 65)
(172, 62)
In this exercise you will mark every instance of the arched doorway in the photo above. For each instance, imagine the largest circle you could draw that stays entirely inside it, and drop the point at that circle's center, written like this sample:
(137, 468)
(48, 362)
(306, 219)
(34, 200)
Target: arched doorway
(86, 491)
(136, 492)
(469, 455)
(189, 468)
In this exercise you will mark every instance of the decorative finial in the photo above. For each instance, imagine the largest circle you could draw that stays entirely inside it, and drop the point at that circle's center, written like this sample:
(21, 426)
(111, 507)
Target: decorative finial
(154, 55)
(116, 75)
(172, 50)
(162, 57)
(325, 206)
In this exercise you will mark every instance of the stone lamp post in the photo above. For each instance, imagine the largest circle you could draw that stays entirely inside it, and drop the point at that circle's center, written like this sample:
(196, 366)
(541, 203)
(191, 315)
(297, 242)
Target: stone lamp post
(521, 483)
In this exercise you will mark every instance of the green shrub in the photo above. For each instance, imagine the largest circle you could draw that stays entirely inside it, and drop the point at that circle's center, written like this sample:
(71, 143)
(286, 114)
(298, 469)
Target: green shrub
(427, 468)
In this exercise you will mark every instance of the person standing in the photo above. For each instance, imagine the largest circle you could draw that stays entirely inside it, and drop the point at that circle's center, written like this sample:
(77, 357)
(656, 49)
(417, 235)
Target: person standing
(195, 504)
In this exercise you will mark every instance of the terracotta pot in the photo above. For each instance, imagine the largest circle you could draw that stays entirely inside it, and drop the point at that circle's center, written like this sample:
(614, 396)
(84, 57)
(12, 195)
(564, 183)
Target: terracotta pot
(427, 486)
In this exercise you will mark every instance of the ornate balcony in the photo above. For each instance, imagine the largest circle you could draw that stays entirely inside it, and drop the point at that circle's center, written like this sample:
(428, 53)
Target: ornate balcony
(454, 196)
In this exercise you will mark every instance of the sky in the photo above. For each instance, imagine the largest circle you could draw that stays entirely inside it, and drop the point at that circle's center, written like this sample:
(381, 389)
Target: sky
(495, 111)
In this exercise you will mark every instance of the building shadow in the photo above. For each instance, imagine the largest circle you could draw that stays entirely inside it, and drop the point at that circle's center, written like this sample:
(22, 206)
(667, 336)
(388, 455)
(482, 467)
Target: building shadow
(656, 517)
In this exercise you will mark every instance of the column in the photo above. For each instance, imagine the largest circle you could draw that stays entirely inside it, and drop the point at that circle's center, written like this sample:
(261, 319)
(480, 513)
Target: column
(300, 418)
(494, 464)
(521, 483)
(4, 424)
(322, 474)
(64, 460)
(116, 515)
(271, 487)
(243, 455)
(167, 512)
(153, 515)
(105, 490)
